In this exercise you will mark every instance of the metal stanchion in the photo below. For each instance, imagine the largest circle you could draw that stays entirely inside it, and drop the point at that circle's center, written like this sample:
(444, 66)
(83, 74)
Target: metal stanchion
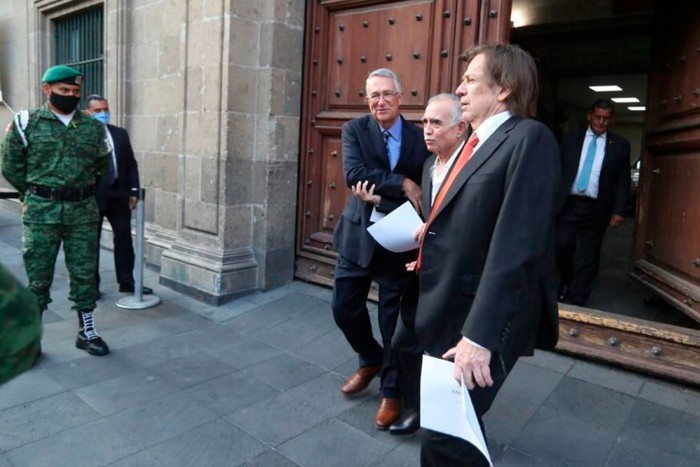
(138, 301)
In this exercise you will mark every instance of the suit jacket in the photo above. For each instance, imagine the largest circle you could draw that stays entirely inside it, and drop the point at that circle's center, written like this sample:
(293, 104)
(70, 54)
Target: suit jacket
(127, 183)
(614, 182)
(487, 269)
(365, 158)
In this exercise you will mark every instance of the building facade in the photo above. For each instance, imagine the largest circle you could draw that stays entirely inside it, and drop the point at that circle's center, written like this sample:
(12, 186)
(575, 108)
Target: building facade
(210, 93)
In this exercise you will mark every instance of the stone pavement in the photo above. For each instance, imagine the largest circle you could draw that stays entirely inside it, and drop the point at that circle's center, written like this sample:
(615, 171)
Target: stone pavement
(255, 383)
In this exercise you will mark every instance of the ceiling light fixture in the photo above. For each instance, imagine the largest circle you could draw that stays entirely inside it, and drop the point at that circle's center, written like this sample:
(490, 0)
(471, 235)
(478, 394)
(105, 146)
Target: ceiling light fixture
(637, 108)
(624, 100)
(606, 88)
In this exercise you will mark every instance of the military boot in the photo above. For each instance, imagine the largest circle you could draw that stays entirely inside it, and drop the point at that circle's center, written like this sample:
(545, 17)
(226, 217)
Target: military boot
(87, 338)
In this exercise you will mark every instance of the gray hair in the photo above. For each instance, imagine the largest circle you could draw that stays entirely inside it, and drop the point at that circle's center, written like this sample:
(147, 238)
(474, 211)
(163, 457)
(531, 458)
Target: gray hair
(386, 73)
(456, 104)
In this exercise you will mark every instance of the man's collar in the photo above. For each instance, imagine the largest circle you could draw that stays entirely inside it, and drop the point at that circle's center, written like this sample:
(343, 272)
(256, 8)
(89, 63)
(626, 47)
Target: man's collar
(590, 132)
(491, 124)
(394, 129)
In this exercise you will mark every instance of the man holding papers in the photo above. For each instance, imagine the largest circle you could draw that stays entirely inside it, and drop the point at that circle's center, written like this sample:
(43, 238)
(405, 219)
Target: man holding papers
(384, 151)
(487, 281)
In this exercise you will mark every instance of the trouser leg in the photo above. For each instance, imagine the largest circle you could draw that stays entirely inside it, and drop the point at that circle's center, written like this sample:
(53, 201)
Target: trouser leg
(40, 244)
(565, 248)
(119, 216)
(80, 248)
(388, 314)
(590, 243)
(407, 350)
(441, 450)
(97, 258)
(352, 317)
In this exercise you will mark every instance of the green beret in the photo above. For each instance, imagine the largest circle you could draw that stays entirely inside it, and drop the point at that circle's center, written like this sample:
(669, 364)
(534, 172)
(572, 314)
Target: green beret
(62, 74)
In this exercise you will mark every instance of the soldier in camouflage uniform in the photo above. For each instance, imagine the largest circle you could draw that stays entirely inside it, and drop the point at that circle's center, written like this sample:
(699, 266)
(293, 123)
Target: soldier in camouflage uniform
(54, 159)
(20, 327)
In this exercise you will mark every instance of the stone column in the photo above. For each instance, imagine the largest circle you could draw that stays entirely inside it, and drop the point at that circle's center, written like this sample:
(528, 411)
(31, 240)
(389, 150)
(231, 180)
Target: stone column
(235, 204)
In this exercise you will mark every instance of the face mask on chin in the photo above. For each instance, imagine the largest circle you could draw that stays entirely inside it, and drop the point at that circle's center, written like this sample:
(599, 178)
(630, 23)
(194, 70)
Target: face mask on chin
(102, 117)
(64, 104)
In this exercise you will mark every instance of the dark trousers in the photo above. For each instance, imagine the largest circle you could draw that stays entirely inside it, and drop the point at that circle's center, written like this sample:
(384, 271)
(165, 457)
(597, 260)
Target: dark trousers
(352, 285)
(116, 210)
(441, 450)
(579, 237)
(407, 350)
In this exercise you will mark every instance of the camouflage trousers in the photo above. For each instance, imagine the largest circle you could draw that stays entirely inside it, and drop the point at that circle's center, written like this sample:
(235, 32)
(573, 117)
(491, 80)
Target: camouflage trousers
(40, 244)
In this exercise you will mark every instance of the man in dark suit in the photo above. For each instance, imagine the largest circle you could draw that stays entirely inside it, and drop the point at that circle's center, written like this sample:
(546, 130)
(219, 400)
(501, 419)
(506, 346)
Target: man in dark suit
(443, 133)
(384, 151)
(117, 194)
(486, 274)
(595, 185)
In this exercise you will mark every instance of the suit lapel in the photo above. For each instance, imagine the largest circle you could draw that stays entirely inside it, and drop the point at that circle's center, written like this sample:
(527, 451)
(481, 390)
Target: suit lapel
(609, 153)
(481, 155)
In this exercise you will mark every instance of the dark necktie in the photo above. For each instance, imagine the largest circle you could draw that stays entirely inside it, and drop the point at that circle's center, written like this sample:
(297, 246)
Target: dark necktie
(387, 136)
(111, 170)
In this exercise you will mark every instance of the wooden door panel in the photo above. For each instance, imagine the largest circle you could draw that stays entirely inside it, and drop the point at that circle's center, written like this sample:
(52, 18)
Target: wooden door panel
(667, 247)
(675, 213)
(384, 36)
(346, 39)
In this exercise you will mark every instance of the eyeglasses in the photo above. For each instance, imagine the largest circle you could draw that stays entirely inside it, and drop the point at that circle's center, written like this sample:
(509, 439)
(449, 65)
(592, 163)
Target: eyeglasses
(387, 95)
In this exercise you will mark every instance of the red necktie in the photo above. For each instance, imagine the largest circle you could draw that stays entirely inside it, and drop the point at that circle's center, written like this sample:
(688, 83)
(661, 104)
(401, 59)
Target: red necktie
(456, 169)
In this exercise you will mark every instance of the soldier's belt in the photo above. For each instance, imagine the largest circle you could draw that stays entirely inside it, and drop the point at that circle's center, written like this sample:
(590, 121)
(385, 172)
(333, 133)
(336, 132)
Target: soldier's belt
(62, 194)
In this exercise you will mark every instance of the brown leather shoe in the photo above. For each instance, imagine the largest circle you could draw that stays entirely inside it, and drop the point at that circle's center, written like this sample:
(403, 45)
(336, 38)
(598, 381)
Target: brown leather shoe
(388, 413)
(360, 380)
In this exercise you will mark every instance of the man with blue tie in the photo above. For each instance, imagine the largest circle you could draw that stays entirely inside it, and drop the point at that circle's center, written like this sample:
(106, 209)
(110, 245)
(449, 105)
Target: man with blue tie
(595, 186)
(382, 153)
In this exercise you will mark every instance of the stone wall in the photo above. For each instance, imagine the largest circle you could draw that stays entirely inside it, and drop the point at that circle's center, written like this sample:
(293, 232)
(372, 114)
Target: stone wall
(210, 93)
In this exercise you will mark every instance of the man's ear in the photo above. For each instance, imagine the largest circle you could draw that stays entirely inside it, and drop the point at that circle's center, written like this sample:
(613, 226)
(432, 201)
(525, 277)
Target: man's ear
(462, 127)
(46, 89)
(503, 95)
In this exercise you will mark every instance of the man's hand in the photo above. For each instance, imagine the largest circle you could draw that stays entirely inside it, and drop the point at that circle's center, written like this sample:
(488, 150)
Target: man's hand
(616, 220)
(413, 193)
(410, 267)
(472, 363)
(132, 202)
(366, 194)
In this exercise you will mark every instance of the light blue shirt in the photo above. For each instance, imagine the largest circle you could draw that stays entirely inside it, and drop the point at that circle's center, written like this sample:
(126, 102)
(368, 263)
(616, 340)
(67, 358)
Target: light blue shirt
(394, 142)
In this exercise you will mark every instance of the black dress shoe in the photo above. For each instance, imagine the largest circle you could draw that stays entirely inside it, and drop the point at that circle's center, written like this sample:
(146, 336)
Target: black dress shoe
(129, 288)
(408, 424)
(95, 346)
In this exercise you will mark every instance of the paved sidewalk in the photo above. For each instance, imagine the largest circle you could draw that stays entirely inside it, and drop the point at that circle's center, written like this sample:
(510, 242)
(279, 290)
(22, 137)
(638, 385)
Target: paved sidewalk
(256, 383)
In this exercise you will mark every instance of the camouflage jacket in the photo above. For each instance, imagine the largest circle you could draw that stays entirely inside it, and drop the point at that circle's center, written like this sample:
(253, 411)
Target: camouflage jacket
(57, 156)
(20, 327)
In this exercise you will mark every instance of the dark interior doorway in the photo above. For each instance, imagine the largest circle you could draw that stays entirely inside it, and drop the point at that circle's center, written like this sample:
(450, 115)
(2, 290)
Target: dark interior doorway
(611, 47)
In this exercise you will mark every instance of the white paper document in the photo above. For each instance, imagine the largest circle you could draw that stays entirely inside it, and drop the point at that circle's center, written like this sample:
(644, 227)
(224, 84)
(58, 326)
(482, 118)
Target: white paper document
(395, 231)
(376, 215)
(446, 407)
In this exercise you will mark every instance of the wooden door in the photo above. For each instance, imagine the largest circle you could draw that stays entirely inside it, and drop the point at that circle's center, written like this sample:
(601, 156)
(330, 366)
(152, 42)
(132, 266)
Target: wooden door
(421, 40)
(667, 246)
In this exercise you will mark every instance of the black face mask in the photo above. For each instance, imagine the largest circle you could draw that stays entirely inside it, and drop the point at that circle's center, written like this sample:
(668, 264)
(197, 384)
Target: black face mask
(65, 104)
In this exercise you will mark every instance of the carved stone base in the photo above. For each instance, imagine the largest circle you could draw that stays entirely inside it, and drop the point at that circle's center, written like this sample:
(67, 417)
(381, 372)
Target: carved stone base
(214, 277)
